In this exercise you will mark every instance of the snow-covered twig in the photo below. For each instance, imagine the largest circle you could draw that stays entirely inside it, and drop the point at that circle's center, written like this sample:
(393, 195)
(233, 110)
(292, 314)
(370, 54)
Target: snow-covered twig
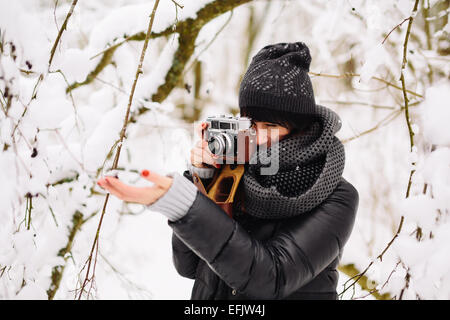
(94, 250)
(360, 103)
(208, 45)
(57, 271)
(187, 29)
(71, 99)
(127, 282)
(177, 4)
(176, 13)
(411, 134)
(397, 26)
(390, 117)
(405, 96)
(426, 13)
(349, 74)
(63, 27)
(380, 256)
(364, 281)
(108, 51)
(205, 16)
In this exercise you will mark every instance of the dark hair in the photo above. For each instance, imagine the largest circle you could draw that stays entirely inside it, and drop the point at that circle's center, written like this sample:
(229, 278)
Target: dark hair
(294, 121)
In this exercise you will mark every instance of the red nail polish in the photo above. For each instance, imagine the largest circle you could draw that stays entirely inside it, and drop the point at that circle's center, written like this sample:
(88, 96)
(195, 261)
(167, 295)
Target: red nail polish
(145, 173)
(98, 182)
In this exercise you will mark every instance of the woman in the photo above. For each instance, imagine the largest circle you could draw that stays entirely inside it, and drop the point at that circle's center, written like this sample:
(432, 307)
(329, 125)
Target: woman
(288, 229)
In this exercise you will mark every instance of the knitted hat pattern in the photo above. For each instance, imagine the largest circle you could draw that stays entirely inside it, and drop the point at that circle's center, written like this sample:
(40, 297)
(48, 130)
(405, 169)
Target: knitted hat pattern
(277, 78)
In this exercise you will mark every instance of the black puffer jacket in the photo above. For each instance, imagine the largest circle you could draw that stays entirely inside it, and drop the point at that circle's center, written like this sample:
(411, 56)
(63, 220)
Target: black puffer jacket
(250, 258)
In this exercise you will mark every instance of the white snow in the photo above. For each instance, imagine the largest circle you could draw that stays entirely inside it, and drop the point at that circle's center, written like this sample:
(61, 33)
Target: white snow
(435, 112)
(73, 134)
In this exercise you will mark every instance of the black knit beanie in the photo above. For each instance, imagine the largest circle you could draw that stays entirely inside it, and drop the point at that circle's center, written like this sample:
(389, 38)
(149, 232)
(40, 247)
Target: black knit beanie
(278, 79)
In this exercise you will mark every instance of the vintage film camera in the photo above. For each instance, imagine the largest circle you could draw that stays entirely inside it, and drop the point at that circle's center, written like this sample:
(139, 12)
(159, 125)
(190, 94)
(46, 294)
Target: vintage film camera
(233, 139)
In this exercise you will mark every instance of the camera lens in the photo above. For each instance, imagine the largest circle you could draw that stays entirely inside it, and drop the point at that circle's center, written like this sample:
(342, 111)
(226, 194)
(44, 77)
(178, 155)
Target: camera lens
(220, 144)
(216, 145)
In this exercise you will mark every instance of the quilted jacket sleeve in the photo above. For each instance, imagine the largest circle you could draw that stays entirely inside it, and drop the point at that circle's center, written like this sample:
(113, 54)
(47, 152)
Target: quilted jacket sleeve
(184, 259)
(302, 247)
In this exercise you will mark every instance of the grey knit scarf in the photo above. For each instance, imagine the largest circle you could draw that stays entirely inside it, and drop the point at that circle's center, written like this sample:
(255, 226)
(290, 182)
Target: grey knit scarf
(310, 167)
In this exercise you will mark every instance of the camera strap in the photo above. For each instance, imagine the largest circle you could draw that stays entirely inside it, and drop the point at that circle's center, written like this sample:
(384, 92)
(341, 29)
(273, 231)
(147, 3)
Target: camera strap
(198, 183)
(224, 186)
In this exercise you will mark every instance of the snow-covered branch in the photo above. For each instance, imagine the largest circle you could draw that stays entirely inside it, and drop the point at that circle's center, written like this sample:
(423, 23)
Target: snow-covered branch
(60, 129)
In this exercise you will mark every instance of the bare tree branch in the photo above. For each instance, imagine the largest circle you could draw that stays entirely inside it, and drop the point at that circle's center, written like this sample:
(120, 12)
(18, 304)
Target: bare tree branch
(364, 282)
(94, 249)
(380, 256)
(405, 96)
(199, 22)
(58, 271)
(188, 31)
(63, 27)
(411, 134)
(387, 36)
(390, 117)
(346, 75)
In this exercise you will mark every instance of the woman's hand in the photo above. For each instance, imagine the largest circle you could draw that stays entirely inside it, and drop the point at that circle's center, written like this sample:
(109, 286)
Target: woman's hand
(143, 195)
(200, 154)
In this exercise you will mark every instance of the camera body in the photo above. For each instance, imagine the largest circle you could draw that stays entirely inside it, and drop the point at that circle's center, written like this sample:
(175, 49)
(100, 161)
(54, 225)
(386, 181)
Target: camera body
(233, 139)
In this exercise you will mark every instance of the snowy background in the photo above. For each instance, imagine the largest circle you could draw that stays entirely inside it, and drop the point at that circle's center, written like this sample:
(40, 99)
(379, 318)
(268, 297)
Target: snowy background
(57, 138)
